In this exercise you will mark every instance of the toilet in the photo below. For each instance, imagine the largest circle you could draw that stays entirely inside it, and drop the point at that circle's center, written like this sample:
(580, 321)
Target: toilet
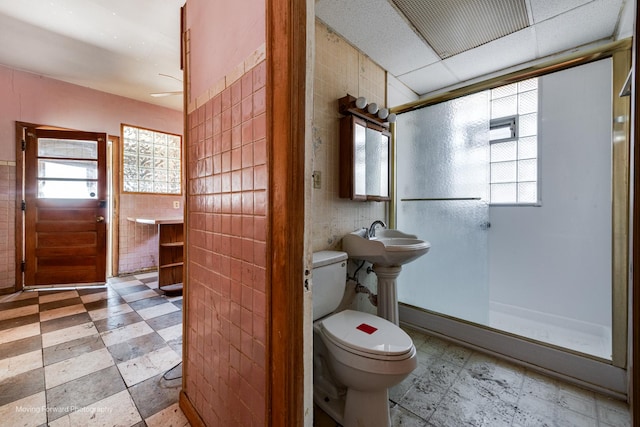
(357, 356)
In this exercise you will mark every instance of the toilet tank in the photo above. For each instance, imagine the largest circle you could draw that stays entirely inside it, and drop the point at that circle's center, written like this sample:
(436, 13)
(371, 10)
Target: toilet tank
(329, 281)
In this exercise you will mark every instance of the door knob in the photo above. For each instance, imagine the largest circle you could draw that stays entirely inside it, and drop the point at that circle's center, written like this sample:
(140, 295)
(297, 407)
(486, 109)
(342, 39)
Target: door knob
(99, 218)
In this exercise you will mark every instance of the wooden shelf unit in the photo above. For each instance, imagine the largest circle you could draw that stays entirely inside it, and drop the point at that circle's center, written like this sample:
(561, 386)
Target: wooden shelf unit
(170, 252)
(170, 257)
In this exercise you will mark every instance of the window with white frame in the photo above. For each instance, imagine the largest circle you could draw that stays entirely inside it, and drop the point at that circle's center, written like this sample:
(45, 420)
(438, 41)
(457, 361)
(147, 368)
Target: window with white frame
(151, 161)
(513, 138)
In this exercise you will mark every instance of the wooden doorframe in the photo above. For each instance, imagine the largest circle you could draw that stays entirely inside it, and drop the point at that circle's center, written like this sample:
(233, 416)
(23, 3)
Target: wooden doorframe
(19, 224)
(114, 178)
(19, 213)
(19, 217)
(634, 295)
(286, 91)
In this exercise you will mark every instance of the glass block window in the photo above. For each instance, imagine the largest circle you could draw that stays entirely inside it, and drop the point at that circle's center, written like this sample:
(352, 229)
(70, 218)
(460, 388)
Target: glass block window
(151, 161)
(514, 143)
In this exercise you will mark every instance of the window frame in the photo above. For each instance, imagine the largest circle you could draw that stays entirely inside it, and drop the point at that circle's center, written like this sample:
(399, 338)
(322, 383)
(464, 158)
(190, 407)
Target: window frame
(503, 122)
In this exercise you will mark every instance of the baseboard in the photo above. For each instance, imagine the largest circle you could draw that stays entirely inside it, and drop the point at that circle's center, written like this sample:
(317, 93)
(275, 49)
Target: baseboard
(189, 411)
(8, 291)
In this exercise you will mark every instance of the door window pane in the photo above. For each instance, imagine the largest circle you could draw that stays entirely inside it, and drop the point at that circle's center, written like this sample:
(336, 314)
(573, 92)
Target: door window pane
(63, 148)
(67, 189)
(67, 169)
(77, 169)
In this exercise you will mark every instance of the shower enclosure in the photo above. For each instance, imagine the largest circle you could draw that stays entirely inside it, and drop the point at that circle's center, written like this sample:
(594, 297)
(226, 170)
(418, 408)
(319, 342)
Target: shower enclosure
(442, 197)
(539, 271)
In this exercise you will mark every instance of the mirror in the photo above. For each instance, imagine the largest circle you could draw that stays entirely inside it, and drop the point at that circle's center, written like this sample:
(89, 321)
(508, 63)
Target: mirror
(364, 160)
(377, 171)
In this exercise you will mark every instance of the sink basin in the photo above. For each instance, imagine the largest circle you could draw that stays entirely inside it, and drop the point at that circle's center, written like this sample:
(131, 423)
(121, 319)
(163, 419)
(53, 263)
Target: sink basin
(388, 248)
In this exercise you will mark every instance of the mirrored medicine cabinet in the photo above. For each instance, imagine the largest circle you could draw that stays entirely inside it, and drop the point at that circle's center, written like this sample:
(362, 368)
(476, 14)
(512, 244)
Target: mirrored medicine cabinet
(364, 158)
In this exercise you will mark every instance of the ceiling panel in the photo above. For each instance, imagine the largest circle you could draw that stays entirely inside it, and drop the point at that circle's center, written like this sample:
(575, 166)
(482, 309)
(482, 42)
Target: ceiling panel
(452, 27)
(594, 21)
(429, 78)
(124, 46)
(378, 30)
(514, 49)
(541, 10)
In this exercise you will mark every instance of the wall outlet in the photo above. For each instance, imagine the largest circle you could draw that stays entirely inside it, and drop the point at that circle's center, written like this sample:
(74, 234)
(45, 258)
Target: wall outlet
(176, 204)
(317, 179)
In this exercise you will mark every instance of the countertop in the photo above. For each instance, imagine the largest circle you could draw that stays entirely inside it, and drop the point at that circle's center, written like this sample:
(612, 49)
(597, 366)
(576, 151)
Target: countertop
(156, 221)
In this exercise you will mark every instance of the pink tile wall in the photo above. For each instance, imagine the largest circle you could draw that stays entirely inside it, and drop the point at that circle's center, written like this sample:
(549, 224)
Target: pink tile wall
(226, 320)
(139, 242)
(7, 226)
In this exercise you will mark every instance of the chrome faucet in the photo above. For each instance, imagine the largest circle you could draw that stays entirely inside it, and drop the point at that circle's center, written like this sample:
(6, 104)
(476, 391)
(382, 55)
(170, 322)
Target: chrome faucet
(372, 229)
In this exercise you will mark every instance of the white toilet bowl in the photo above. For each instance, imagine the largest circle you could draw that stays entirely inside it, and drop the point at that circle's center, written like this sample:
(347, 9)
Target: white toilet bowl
(359, 357)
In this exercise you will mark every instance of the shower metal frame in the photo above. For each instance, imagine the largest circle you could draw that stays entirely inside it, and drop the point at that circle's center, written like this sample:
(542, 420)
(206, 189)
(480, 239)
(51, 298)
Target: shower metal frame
(620, 52)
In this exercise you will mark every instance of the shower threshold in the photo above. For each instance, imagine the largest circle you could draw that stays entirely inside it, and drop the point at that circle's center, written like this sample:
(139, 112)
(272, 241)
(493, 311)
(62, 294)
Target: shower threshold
(583, 337)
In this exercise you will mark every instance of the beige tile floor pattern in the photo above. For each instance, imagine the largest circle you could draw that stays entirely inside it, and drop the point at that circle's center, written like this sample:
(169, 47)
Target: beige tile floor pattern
(91, 357)
(454, 386)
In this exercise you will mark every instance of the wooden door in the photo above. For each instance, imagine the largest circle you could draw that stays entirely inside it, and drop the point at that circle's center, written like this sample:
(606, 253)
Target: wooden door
(65, 207)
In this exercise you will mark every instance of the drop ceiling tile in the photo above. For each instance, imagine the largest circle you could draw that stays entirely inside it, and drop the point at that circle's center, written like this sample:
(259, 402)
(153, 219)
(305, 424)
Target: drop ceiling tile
(379, 31)
(514, 49)
(428, 79)
(546, 9)
(594, 21)
(398, 93)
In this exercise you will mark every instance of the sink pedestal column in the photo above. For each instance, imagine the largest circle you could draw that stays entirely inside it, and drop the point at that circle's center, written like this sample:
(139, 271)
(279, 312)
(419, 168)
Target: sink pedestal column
(387, 292)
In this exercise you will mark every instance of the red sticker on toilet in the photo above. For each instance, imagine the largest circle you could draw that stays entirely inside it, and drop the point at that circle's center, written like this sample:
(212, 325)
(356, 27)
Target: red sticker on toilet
(367, 328)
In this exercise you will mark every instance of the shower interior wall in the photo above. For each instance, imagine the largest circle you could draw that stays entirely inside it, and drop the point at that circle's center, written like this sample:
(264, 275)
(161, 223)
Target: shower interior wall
(556, 258)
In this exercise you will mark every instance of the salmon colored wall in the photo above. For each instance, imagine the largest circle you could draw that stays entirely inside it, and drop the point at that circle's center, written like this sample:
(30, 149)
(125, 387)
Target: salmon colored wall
(227, 170)
(223, 35)
(31, 98)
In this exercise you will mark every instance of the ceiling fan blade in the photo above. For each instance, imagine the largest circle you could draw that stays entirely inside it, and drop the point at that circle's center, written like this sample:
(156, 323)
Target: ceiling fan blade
(163, 94)
(171, 77)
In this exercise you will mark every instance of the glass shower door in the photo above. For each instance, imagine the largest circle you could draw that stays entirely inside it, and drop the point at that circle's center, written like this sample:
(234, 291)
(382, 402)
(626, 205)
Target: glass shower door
(442, 193)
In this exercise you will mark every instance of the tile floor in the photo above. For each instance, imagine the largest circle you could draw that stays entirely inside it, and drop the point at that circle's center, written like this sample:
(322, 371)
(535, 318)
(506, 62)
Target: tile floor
(98, 356)
(101, 356)
(454, 386)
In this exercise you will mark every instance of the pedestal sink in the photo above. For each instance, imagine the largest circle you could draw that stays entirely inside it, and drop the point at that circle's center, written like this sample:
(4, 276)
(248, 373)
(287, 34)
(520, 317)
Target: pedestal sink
(388, 251)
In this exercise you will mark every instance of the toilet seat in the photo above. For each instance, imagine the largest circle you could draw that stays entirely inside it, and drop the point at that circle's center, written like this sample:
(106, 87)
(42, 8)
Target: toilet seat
(367, 335)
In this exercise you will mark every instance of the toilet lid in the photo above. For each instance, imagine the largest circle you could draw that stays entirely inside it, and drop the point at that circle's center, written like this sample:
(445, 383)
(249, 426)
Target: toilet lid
(367, 333)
